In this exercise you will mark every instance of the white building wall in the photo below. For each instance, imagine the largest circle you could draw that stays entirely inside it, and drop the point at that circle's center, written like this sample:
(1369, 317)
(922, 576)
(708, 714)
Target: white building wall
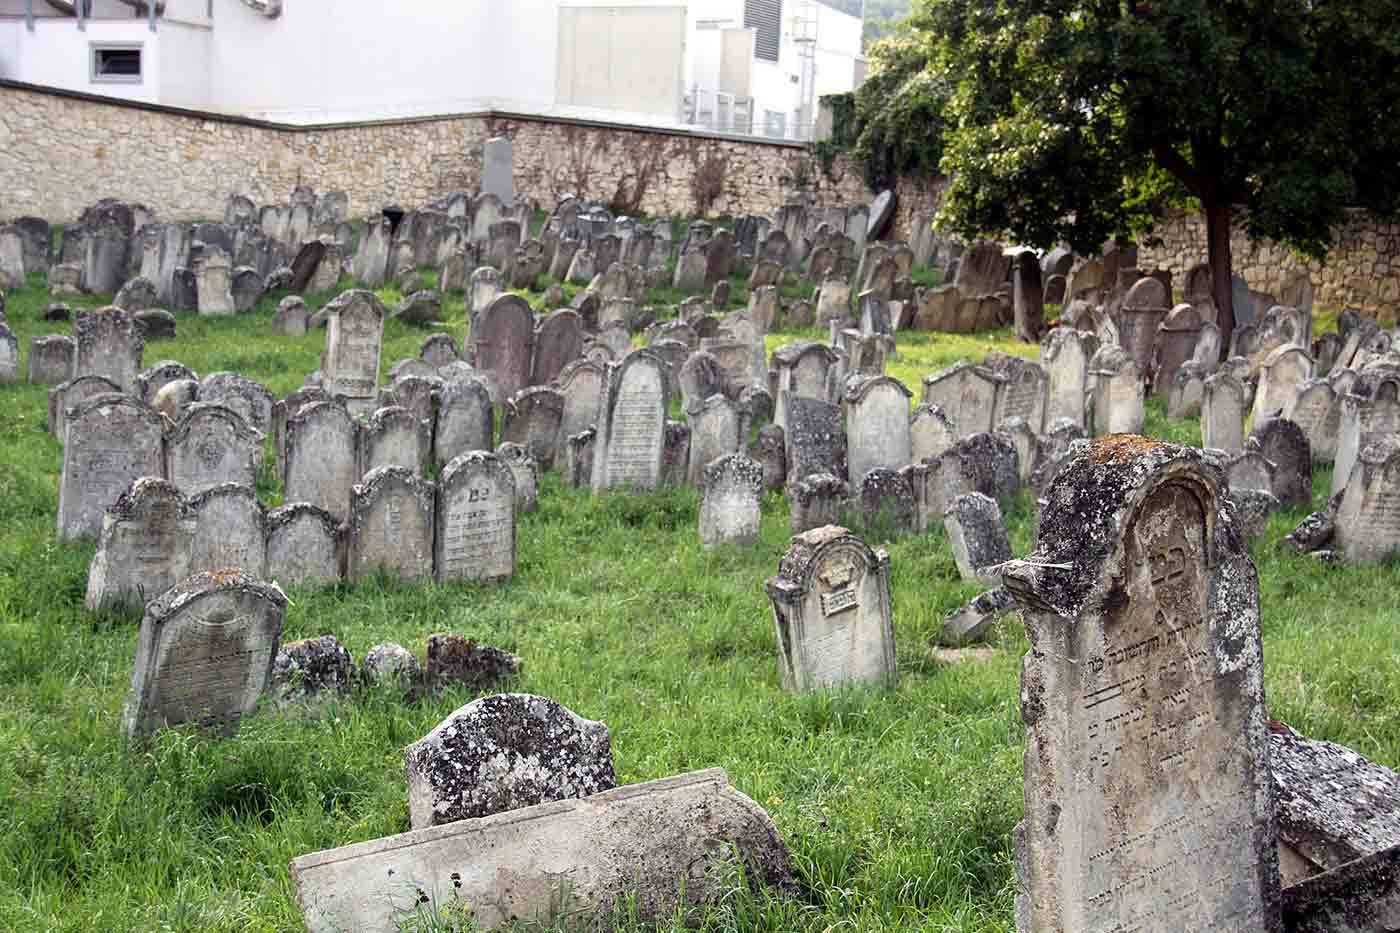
(58, 54)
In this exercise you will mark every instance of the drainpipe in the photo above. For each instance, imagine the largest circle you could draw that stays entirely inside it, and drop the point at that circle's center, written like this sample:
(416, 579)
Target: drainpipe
(80, 6)
(151, 11)
(29, 15)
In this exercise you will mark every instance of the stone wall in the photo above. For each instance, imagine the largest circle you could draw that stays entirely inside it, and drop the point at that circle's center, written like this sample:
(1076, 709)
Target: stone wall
(1362, 270)
(60, 152)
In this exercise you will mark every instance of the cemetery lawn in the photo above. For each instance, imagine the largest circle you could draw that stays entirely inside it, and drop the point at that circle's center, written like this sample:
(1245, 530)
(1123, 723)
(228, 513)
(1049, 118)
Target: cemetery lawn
(898, 805)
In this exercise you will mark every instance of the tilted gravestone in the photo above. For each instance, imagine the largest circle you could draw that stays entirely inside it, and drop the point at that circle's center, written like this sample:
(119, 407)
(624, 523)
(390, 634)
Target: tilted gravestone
(205, 652)
(475, 519)
(558, 342)
(532, 419)
(230, 530)
(354, 341)
(976, 534)
(631, 424)
(1146, 731)
(211, 445)
(391, 525)
(1316, 408)
(1021, 393)
(144, 548)
(1187, 390)
(502, 340)
(394, 436)
(501, 753)
(303, 547)
(1284, 444)
(109, 441)
(322, 458)
(581, 383)
(729, 508)
(109, 344)
(831, 609)
(877, 426)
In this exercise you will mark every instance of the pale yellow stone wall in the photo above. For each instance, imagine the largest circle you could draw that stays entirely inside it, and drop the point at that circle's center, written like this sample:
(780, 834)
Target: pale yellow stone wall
(60, 153)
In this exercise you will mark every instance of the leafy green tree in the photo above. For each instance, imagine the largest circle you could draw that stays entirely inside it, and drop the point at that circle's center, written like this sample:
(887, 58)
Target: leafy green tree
(1076, 121)
(899, 111)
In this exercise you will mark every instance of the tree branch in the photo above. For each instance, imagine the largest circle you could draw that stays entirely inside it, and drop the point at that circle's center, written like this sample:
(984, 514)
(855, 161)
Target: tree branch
(1176, 163)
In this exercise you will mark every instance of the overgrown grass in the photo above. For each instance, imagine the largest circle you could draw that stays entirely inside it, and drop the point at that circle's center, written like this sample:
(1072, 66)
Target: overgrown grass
(897, 804)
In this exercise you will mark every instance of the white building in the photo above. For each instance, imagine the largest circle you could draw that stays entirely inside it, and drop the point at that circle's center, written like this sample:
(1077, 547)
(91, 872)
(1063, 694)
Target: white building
(729, 65)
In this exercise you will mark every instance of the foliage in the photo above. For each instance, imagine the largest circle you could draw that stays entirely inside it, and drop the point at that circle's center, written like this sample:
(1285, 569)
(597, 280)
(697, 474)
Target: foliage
(899, 123)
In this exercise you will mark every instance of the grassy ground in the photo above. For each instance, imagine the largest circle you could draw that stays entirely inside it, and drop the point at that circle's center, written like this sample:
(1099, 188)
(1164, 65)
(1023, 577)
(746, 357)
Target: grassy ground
(898, 805)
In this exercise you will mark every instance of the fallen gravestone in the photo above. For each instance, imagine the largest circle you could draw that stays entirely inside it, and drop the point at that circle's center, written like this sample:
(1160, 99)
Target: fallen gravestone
(977, 536)
(453, 659)
(310, 669)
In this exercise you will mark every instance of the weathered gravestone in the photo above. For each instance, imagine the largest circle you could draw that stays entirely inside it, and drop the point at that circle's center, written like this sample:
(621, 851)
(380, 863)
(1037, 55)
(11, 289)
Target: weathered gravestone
(831, 609)
(391, 526)
(322, 458)
(502, 753)
(714, 432)
(1187, 390)
(303, 546)
(465, 420)
(1146, 738)
(211, 445)
(816, 438)
(394, 436)
(967, 394)
(886, 501)
(930, 433)
(108, 344)
(558, 342)
(1021, 393)
(475, 519)
(816, 501)
(574, 860)
(205, 652)
(1284, 444)
(532, 418)
(631, 424)
(1066, 363)
(581, 383)
(1364, 420)
(1368, 517)
(1119, 393)
(354, 341)
(976, 534)
(251, 400)
(73, 393)
(527, 475)
(144, 548)
(52, 359)
(502, 341)
(729, 508)
(230, 530)
(1223, 404)
(1316, 408)
(877, 426)
(109, 441)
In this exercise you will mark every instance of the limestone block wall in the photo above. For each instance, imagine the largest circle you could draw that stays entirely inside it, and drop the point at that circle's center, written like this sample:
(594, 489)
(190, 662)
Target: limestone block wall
(1362, 270)
(60, 152)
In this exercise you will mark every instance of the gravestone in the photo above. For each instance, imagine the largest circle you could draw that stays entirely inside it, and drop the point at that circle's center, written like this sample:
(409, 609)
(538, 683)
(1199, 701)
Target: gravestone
(1028, 296)
(303, 546)
(631, 424)
(967, 394)
(394, 436)
(501, 753)
(1283, 443)
(205, 653)
(1066, 363)
(527, 476)
(498, 169)
(1317, 410)
(209, 446)
(109, 345)
(109, 441)
(715, 432)
(1223, 406)
(770, 449)
(1021, 394)
(438, 350)
(475, 519)
(143, 549)
(567, 859)
(1187, 390)
(322, 458)
(311, 669)
(1283, 371)
(675, 454)
(729, 508)
(983, 270)
(371, 262)
(1175, 344)
(1363, 421)
(886, 501)
(213, 282)
(282, 411)
(558, 342)
(465, 421)
(930, 433)
(1146, 731)
(52, 359)
(818, 500)
(502, 342)
(354, 341)
(230, 530)
(390, 528)
(418, 394)
(581, 383)
(877, 426)
(73, 393)
(831, 609)
(290, 318)
(251, 400)
(532, 419)
(976, 534)
(1119, 392)
(816, 438)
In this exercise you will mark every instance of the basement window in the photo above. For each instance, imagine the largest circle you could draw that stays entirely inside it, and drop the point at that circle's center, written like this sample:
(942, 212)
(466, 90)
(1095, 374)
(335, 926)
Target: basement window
(116, 64)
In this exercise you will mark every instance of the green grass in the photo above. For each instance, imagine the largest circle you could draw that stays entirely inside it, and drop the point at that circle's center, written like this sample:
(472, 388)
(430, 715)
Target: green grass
(898, 805)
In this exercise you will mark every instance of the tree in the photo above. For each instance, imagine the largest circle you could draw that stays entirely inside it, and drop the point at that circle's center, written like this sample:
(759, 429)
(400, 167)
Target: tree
(1077, 121)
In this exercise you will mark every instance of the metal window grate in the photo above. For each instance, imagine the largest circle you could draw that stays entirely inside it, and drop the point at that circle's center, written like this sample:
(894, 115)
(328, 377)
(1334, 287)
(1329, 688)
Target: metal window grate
(766, 18)
(116, 63)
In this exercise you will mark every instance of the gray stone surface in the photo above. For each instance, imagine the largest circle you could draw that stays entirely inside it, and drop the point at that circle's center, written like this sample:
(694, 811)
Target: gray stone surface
(729, 508)
(532, 418)
(502, 343)
(73, 393)
(831, 609)
(1143, 702)
(465, 420)
(631, 424)
(526, 471)
(1283, 443)
(1119, 393)
(310, 669)
(251, 400)
(52, 359)
(977, 536)
(971, 623)
(211, 445)
(886, 501)
(457, 660)
(877, 426)
(304, 546)
(205, 652)
(1223, 408)
(967, 395)
(390, 528)
(322, 458)
(108, 345)
(390, 663)
(574, 858)
(109, 441)
(354, 340)
(502, 753)
(1368, 516)
(230, 530)
(395, 436)
(144, 547)
(475, 519)
(816, 438)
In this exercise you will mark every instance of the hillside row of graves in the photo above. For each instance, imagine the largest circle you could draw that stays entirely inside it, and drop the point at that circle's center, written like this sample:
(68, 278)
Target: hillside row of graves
(1158, 793)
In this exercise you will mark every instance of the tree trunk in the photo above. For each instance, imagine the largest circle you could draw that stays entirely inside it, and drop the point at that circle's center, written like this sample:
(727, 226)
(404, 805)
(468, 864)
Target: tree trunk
(1217, 213)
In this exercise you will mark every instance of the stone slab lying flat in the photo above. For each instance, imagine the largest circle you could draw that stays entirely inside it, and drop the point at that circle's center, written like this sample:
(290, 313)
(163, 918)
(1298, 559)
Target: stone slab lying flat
(648, 841)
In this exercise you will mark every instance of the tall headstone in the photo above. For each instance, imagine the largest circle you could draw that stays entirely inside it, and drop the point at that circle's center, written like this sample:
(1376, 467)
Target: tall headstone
(1223, 406)
(502, 341)
(109, 441)
(877, 427)
(1066, 365)
(354, 341)
(715, 427)
(631, 424)
(532, 418)
(475, 519)
(1283, 371)
(322, 458)
(1119, 393)
(558, 342)
(729, 508)
(205, 652)
(1283, 442)
(391, 525)
(1368, 516)
(1143, 698)
(1316, 408)
(498, 169)
(930, 433)
(109, 344)
(465, 421)
(831, 609)
(816, 438)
